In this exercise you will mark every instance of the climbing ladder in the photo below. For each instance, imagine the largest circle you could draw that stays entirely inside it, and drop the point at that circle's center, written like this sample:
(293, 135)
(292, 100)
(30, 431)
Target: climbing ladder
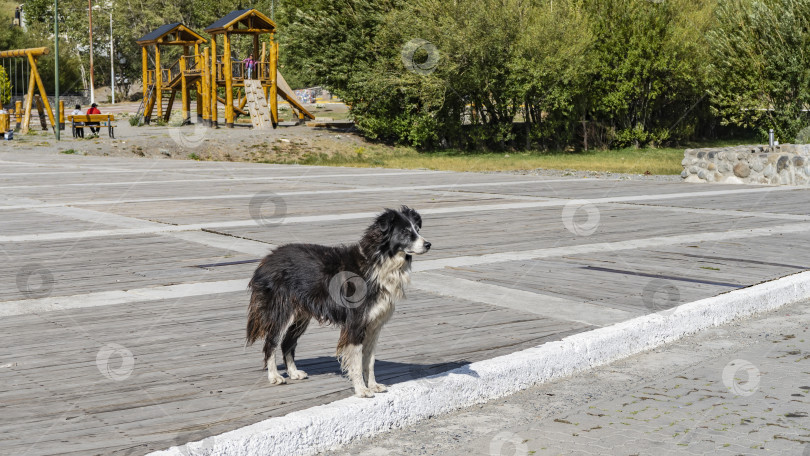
(257, 105)
(143, 105)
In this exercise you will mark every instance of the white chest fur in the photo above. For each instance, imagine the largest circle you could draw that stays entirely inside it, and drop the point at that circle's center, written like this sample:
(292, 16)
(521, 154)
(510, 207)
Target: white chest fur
(391, 275)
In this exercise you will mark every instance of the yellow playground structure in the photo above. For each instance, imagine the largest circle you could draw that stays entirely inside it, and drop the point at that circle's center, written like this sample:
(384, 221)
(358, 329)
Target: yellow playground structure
(162, 84)
(36, 92)
(215, 67)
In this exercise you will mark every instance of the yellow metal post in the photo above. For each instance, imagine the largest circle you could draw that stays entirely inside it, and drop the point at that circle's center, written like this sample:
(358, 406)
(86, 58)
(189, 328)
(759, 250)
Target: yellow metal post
(145, 76)
(18, 112)
(226, 58)
(198, 66)
(61, 114)
(273, 98)
(204, 95)
(184, 86)
(212, 100)
(158, 82)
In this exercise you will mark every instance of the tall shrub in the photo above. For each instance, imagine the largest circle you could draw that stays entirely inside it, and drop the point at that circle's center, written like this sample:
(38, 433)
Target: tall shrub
(761, 65)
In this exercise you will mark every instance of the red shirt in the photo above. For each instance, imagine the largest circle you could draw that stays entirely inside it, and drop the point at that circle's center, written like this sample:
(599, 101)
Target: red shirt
(93, 111)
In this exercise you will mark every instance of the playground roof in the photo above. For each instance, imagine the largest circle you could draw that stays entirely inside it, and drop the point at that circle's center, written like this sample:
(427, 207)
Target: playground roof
(243, 21)
(181, 35)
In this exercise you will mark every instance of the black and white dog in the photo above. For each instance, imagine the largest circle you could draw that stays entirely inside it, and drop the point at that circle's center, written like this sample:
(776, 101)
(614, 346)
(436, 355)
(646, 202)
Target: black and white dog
(354, 287)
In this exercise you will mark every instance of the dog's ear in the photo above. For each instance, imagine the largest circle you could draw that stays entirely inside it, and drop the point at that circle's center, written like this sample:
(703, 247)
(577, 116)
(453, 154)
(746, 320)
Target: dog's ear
(386, 220)
(412, 215)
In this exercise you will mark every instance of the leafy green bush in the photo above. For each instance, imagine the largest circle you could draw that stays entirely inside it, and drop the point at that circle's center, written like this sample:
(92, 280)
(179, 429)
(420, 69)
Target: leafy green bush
(759, 64)
(461, 74)
(5, 87)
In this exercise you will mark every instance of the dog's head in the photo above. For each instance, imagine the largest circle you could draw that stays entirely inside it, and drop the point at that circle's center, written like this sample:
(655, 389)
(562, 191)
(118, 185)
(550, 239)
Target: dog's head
(400, 231)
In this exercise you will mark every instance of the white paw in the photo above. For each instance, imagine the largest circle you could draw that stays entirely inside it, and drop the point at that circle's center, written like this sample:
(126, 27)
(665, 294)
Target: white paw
(378, 388)
(297, 375)
(276, 379)
(364, 393)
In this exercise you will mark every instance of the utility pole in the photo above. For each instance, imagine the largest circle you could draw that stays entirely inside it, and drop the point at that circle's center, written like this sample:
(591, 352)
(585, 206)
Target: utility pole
(112, 59)
(90, 21)
(56, 65)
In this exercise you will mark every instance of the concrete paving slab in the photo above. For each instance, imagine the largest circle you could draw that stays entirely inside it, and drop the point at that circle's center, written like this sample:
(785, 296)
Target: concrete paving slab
(732, 390)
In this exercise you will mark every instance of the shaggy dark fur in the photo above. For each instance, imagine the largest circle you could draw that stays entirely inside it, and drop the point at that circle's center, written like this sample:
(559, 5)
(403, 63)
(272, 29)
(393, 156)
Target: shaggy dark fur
(299, 282)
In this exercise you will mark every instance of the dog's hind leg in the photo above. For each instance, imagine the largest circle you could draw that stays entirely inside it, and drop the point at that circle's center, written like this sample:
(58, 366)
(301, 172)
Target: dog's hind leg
(350, 353)
(369, 347)
(274, 334)
(288, 347)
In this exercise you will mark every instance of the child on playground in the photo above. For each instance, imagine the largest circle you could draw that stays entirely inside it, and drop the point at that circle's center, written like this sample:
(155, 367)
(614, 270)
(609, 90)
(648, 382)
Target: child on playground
(94, 128)
(249, 66)
(78, 112)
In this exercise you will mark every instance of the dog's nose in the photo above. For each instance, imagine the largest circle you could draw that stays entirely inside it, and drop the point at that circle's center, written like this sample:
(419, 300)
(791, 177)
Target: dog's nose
(427, 246)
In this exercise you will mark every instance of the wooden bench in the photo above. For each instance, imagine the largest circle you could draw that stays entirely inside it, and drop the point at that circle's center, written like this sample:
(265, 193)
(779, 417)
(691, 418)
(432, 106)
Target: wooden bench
(102, 120)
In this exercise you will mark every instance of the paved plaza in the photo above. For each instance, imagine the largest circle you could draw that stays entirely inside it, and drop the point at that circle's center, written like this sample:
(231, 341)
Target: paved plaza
(123, 287)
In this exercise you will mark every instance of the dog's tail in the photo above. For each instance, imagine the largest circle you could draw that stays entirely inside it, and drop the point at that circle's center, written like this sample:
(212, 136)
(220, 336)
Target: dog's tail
(255, 320)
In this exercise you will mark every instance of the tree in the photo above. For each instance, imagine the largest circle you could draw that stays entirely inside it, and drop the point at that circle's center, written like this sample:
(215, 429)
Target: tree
(635, 69)
(646, 67)
(760, 60)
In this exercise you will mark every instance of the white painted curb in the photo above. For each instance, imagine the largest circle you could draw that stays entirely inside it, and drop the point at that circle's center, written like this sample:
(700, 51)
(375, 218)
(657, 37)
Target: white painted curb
(319, 428)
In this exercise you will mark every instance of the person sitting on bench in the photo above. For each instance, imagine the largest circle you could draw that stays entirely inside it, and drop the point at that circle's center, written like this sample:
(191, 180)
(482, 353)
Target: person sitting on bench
(79, 129)
(94, 126)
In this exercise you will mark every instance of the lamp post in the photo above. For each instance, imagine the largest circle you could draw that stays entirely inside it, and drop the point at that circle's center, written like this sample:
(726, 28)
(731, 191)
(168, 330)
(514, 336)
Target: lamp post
(90, 22)
(56, 64)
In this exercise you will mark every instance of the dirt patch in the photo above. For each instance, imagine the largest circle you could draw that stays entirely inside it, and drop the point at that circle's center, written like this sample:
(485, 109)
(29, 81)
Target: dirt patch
(284, 144)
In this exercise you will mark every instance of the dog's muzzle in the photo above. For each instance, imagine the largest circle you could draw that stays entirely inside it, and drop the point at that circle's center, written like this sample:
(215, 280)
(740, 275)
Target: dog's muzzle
(420, 246)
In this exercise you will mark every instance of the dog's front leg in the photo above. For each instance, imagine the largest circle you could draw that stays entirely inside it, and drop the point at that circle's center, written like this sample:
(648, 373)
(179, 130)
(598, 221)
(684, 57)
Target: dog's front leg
(350, 354)
(352, 361)
(369, 348)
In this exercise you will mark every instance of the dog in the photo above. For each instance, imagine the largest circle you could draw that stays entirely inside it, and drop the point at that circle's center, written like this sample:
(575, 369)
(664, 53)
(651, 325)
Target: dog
(354, 287)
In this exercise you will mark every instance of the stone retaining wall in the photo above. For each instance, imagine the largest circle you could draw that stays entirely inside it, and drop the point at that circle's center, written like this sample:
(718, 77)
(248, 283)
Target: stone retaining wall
(787, 164)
